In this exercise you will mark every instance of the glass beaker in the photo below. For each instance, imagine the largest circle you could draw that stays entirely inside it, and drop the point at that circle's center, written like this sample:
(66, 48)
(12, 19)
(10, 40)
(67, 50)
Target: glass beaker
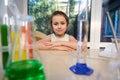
(22, 63)
(114, 65)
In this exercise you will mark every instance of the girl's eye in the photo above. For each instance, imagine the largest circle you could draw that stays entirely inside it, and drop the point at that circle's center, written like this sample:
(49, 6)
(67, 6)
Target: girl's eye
(55, 23)
(62, 23)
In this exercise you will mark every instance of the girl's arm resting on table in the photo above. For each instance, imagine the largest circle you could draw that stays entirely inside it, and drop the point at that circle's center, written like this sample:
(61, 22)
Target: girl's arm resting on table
(46, 44)
(53, 46)
(68, 46)
(43, 43)
(63, 48)
(72, 45)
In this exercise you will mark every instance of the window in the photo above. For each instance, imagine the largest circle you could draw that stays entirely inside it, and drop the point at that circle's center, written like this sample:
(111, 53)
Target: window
(113, 7)
(115, 20)
(42, 10)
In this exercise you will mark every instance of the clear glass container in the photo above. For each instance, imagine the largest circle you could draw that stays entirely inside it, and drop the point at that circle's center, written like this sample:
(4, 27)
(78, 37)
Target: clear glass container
(22, 63)
(114, 65)
(81, 66)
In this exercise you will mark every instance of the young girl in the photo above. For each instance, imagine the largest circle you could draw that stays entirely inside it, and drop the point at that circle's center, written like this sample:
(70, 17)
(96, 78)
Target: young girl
(59, 39)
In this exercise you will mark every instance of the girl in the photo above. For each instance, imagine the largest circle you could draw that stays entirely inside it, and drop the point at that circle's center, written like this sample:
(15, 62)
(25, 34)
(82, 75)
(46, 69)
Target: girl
(58, 40)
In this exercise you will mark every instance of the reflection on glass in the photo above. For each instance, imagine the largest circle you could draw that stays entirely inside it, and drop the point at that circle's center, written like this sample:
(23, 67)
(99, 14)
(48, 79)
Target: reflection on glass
(115, 63)
(22, 63)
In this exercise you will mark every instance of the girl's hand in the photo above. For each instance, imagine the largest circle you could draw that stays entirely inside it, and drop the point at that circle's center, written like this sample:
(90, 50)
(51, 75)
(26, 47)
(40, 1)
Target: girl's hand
(84, 47)
(56, 44)
(62, 48)
(43, 45)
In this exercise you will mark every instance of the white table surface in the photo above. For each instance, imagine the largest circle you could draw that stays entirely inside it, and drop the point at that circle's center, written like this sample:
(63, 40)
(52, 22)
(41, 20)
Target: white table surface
(57, 64)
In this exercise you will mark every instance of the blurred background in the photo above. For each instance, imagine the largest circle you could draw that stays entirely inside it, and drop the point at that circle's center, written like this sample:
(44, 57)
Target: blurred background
(99, 31)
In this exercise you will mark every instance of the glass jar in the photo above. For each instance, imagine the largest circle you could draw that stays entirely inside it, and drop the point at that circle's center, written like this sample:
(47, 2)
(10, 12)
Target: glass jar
(114, 65)
(22, 63)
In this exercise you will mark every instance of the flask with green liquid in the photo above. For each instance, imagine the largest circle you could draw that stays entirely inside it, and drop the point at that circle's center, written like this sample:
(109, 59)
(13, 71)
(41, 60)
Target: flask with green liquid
(22, 63)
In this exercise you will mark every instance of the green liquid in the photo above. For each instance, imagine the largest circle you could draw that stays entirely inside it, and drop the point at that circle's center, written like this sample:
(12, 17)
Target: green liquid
(4, 43)
(25, 70)
(5, 56)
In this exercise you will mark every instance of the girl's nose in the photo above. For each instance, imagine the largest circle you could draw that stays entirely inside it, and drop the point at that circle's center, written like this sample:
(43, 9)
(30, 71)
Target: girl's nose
(59, 26)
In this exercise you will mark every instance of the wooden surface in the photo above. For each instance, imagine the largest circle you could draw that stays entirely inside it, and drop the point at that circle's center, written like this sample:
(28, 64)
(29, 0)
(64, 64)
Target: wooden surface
(57, 64)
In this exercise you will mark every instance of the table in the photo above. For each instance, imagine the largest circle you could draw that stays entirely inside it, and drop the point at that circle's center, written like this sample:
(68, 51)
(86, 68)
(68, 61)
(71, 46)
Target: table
(56, 65)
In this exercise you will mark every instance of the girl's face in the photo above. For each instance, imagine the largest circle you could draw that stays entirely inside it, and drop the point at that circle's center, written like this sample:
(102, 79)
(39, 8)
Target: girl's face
(59, 25)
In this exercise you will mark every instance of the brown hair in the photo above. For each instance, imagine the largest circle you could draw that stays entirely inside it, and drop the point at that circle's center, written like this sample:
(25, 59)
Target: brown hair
(59, 13)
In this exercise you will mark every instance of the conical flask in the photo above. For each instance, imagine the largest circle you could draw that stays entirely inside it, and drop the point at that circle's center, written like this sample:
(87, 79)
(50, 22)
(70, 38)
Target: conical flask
(81, 66)
(22, 63)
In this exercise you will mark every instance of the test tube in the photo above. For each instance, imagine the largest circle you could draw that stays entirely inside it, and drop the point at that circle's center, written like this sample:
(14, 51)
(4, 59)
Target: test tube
(4, 43)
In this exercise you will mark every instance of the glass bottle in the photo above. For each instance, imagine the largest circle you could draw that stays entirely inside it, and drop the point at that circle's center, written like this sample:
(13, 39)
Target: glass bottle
(22, 63)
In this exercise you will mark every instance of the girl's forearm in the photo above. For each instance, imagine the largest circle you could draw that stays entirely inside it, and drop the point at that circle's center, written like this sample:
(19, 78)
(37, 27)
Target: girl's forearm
(57, 45)
(70, 44)
(62, 48)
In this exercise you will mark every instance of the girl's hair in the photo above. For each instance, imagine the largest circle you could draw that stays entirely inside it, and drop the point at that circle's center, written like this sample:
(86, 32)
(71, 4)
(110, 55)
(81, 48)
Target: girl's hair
(59, 13)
